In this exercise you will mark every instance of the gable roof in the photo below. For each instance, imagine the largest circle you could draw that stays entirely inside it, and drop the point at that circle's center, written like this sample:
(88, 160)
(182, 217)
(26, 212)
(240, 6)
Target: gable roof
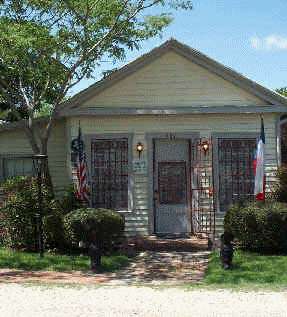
(271, 97)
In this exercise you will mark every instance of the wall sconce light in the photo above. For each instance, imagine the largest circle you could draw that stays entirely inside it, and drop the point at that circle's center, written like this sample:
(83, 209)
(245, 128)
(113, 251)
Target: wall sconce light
(205, 147)
(210, 192)
(140, 148)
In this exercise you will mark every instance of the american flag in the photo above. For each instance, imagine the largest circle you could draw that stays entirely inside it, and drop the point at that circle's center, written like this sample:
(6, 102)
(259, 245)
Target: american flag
(82, 185)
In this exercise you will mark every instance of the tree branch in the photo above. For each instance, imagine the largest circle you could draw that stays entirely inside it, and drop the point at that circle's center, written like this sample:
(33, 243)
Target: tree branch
(24, 95)
(66, 86)
(115, 29)
(31, 137)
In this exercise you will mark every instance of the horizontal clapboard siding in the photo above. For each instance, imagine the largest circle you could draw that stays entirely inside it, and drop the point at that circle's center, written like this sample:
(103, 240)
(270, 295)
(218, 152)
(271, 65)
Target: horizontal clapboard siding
(15, 142)
(172, 80)
(137, 220)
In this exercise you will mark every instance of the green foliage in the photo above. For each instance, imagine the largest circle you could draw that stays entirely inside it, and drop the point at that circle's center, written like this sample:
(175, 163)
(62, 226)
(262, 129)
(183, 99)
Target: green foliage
(44, 111)
(260, 227)
(52, 262)
(282, 91)
(46, 47)
(68, 201)
(250, 270)
(53, 227)
(18, 216)
(53, 222)
(19, 211)
(280, 188)
(49, 46)
(80, 225)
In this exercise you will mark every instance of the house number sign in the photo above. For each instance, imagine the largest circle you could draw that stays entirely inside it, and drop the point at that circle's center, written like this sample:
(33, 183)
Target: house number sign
(140, 167)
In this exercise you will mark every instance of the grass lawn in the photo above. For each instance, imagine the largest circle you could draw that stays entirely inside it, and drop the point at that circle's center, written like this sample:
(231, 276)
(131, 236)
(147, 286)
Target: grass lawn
(51, 262)
(249, 270)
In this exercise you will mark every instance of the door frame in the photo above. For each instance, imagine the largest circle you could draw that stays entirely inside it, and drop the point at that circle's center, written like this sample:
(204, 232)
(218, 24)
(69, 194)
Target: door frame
(151, 153)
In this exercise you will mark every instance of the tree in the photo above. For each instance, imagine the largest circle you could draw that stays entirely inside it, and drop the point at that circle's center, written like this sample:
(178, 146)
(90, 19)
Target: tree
(282, 91)
(48, 46)
(12, 107)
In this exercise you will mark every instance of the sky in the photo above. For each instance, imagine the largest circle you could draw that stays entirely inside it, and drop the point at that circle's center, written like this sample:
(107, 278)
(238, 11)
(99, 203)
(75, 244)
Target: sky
(249, 36)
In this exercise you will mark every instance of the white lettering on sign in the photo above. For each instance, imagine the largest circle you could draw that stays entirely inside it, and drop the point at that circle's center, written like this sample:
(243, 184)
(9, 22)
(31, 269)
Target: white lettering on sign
(139, 167)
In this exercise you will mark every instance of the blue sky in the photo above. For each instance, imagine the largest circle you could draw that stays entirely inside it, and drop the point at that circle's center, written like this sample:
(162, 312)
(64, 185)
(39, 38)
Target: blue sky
(249, 36)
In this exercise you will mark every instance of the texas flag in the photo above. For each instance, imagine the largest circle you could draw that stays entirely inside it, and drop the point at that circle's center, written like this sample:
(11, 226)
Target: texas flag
(259, 188)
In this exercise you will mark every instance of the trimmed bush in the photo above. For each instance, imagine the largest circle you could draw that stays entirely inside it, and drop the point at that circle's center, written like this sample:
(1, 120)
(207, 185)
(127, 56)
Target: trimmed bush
(260, 227)
(81, 224)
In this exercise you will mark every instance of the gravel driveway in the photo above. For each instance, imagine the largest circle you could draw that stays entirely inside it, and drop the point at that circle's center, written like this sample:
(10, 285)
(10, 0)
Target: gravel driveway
(27, 301)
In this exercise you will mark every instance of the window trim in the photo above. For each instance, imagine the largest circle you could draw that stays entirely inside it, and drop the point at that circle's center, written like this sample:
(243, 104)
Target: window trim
(109, 136)
(225, 135)
(11, 156)
(280, 122)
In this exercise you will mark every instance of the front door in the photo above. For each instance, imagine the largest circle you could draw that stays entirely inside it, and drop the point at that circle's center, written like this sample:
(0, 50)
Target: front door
(172, 186)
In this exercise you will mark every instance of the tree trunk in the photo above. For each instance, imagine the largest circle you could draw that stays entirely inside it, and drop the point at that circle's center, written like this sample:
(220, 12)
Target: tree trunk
(41, 147)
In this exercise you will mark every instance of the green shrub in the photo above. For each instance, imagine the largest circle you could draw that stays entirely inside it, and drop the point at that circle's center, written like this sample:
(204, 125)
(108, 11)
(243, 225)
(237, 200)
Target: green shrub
(68, 201)
(19, 211)
(54, 236)
(258, 226)
(81, 223)
(280, 187)
(18, 216)
(53, 222)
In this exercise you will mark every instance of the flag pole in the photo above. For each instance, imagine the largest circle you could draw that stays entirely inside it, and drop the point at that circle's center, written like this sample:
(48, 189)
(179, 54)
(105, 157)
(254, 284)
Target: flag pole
(83, 179)
(264, 179)
(259, 170)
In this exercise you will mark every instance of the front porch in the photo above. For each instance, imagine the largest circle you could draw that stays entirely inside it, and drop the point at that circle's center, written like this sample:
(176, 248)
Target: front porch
(182, 182)
(172, 178)
(174, 184)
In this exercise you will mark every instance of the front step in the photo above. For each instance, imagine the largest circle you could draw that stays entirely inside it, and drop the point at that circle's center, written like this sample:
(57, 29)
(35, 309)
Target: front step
(153, 243)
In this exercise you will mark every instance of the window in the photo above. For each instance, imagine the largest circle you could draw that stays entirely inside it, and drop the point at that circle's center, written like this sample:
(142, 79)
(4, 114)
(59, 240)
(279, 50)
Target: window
(172, 182)
(109, 173)
(17, 166)
(236, 175)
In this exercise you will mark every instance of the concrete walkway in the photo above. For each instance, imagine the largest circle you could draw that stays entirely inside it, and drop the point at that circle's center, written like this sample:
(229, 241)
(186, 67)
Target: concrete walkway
(147, 268)
(168, 268)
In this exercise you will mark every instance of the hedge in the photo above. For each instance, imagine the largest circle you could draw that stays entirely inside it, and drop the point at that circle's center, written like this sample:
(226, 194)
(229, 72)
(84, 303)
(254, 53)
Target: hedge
(82, 223)
(259, 226)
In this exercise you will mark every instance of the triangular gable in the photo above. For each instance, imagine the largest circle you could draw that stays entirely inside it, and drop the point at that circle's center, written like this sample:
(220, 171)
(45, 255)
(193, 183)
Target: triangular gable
(173, 75)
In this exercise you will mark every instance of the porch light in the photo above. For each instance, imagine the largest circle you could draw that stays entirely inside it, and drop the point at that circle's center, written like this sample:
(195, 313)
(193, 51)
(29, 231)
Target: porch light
(205, 147)
(140, 148)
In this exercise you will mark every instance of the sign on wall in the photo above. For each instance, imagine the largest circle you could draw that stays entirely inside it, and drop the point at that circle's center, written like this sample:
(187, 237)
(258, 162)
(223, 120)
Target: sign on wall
(139, 167)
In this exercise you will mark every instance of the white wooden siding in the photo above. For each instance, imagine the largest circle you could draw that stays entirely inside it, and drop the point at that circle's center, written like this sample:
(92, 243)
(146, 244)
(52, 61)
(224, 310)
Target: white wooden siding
(172, 80)
(16, 142)
(57, 150)
(138, 219)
